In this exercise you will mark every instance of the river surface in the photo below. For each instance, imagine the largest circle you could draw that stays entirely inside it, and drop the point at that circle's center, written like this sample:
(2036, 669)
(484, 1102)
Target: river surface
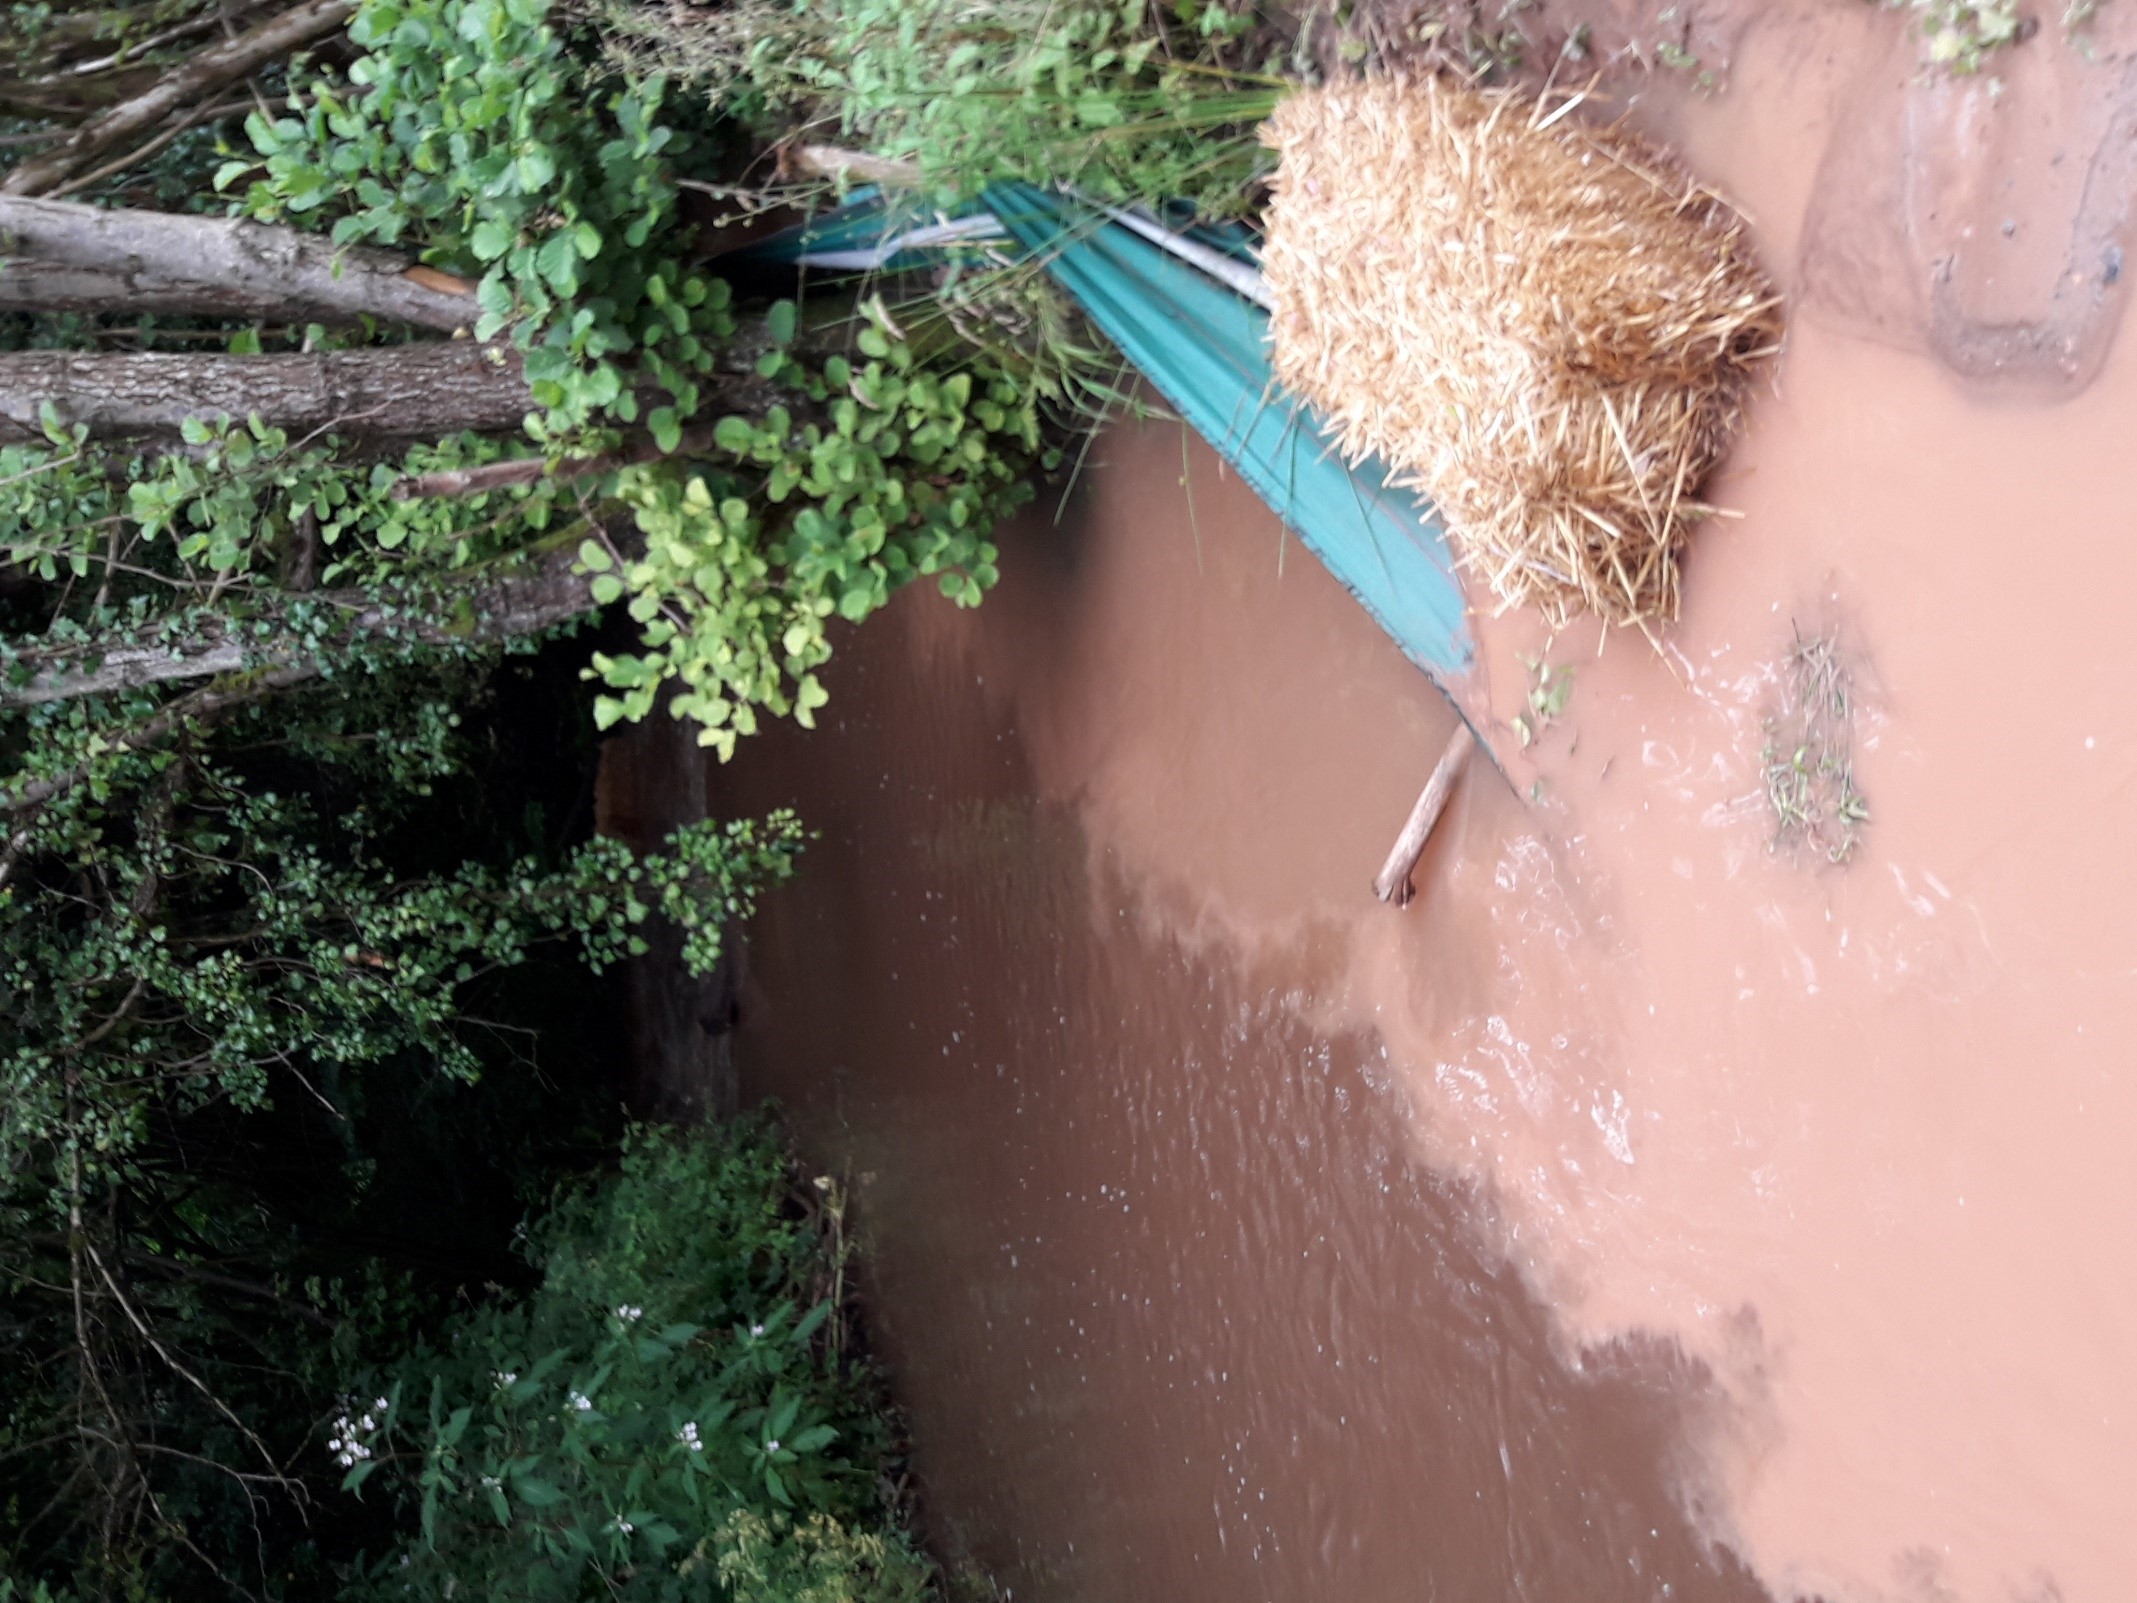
(1642, 1213)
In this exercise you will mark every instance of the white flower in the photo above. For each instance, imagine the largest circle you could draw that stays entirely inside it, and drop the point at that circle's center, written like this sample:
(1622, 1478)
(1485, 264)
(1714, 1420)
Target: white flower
(772, 1446)
(346, 1444)
(629, 1313)
(625, 1526)
(380, 1406)
(581, 1402)
(492, 1482)
(348, 1452)
(688, 1437)
(505, 1377)
(756, 1330)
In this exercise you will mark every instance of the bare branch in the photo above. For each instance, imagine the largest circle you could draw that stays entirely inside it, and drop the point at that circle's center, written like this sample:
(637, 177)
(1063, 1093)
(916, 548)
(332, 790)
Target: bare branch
(176, 1269)
(133, 50)
(141, 1325)
(197, 118)
(849, 166)
(185, 85)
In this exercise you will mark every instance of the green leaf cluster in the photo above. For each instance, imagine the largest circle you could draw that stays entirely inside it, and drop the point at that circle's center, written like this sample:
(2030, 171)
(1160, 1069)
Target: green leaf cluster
(901, 471)
(1962, 34)
(469, 130)
(179, 935)
(220, 515)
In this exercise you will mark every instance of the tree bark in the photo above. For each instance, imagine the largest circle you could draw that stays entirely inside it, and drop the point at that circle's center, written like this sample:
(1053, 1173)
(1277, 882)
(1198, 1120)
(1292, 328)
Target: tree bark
(394, 392)
(211, 267)
(185, 85)
(28, 285)
(398, 392)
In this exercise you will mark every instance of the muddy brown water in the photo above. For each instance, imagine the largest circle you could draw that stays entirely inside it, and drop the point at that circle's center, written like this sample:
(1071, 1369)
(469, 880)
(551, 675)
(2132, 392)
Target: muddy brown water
(1176, 1312)
(1641, 1214)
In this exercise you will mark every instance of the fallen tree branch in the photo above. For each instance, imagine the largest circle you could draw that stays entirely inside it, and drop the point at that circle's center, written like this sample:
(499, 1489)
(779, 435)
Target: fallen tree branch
(405, 391)
(185, 85)
(172, 131)
(394, 392)
(849, 166)
(166, 262)
(206, 21)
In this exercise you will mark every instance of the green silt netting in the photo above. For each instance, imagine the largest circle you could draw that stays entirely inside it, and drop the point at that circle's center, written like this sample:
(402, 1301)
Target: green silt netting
(1204, 348)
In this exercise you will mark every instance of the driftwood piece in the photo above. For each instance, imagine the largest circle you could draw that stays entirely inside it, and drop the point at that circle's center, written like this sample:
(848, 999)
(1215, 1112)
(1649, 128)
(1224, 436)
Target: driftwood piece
(1393, 883)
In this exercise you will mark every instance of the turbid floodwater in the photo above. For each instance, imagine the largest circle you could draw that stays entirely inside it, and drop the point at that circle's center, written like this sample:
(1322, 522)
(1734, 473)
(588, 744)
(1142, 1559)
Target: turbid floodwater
(1644, 1212)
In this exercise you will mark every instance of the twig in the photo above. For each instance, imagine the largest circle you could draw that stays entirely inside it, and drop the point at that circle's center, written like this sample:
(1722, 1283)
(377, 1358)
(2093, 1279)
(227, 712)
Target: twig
(1393, 882)
(185, 124)
(187, 1271)
(163, 1352)
(533, 469)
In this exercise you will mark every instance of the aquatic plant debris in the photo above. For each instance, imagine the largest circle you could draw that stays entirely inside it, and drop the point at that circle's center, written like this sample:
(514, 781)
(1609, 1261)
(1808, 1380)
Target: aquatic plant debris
(1547, 327)
(1960, 33)
(1809, 757)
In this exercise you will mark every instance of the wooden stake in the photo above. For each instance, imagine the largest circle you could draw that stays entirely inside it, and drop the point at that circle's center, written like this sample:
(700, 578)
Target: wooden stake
(1393, 885)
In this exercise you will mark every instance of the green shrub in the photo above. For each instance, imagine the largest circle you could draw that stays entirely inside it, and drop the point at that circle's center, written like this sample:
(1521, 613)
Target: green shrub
(674, 1414)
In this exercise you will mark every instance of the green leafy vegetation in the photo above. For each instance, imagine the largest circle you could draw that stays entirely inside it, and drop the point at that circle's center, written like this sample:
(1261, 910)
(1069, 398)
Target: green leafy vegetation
(327, 1267)
(677, 1410)
(904, 475)
(465, 128)
(255, 977)
(1134, 103)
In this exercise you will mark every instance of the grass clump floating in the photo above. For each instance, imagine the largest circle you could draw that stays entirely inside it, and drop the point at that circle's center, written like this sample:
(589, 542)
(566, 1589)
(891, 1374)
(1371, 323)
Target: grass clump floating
(1808, 763)
(1547, 327)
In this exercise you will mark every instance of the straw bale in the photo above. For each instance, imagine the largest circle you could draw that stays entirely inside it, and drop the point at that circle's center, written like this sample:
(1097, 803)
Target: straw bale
(1546, 327)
